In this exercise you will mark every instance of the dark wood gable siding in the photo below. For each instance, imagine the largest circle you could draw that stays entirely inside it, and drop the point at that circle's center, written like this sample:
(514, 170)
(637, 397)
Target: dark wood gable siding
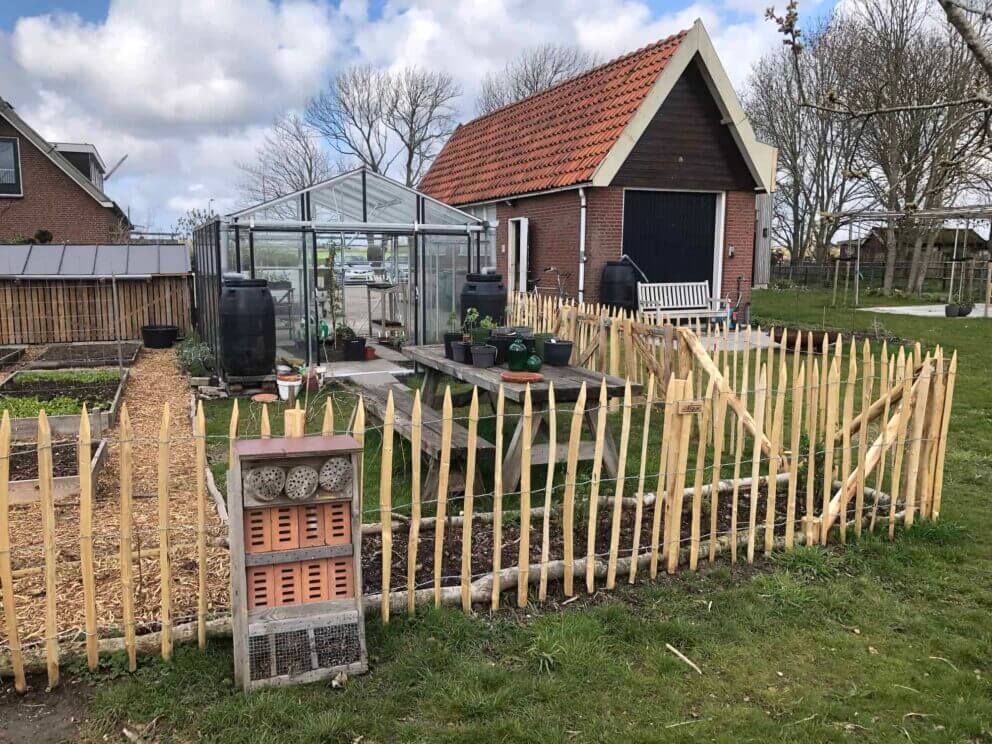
(685, 146)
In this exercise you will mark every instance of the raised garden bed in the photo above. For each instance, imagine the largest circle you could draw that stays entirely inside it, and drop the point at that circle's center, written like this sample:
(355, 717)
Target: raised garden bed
(62, 394)
(86, 354)
(10, 354)
(24, 487)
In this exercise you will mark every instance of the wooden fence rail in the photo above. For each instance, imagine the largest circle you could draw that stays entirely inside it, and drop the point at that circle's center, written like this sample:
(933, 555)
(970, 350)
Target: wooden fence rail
(738, 444)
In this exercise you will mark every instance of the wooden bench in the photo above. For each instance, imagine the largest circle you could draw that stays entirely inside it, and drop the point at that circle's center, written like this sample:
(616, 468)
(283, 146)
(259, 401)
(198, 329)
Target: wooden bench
(430, 439)
(680, 300)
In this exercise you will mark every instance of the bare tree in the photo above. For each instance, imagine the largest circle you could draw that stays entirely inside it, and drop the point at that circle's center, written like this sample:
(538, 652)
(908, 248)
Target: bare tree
(351, 114)
(290, 158)
(421, 115)
(816, 150)
(535, 69)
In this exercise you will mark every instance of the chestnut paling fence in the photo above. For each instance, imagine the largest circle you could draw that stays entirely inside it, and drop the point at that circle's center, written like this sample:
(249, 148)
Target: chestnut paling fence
(729, 449)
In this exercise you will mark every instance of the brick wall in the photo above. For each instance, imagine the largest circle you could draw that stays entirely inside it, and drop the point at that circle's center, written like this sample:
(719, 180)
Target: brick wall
(553, 232)
(52, 201)
(738, 231)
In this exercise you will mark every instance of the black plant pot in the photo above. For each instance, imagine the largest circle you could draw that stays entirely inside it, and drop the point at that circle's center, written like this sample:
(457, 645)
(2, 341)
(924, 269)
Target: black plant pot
(483, 355)
(450, 338)
(951, 311)
(460, 352)
(965, 310)
(159, 336)
(354, 350)
(502, 343)
(558, 353)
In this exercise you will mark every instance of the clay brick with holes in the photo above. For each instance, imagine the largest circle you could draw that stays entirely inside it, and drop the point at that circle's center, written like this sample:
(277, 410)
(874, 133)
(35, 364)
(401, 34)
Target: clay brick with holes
(291, 527)
(337, 523)
(340, 574)
(315, 581)
(261, 587)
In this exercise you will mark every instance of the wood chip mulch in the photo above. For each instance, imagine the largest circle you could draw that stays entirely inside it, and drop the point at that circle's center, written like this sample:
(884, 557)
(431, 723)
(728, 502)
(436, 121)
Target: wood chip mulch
(155, 380)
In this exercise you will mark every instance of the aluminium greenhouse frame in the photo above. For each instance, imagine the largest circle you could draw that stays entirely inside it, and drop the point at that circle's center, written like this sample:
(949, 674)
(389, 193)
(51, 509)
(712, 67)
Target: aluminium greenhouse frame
(281, 239)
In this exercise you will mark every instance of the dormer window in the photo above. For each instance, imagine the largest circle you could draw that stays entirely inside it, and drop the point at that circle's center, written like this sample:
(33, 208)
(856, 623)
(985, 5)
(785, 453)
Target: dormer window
(10, 167)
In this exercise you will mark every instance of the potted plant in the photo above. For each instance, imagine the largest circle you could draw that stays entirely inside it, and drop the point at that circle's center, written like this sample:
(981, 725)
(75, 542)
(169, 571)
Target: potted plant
(483, 355)
(539, 340)
(951, 310)
(557, 353)
(460, 351)
(351, 343)
(469, 323)
(965, 308)
(451, 336)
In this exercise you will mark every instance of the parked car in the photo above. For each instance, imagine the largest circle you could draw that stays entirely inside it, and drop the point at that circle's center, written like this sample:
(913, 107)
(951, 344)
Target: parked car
(357, 274)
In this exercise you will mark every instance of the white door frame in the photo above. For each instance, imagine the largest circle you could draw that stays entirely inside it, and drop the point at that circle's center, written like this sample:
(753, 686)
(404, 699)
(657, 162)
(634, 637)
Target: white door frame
(716, 280)
(517, 274)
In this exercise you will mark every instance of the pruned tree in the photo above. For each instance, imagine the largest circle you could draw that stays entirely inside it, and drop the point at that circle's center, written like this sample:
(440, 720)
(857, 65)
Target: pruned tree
(186, 223)
(351, 113)
(290, 158)
(535, 69)
(420, 113)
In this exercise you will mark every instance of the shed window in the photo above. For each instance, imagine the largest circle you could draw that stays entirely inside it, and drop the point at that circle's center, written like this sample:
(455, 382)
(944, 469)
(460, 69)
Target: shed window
(10, 167)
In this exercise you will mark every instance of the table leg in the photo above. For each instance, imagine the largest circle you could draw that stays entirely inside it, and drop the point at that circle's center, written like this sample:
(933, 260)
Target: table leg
(511, 463)
(610, 456)
(429, 389)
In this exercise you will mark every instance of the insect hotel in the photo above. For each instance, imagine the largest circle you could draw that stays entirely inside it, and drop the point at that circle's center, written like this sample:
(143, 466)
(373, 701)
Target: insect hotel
(296, 571)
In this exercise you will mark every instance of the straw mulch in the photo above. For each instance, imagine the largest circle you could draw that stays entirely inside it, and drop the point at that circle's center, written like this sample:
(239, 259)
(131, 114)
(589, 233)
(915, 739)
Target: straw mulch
(155, 380)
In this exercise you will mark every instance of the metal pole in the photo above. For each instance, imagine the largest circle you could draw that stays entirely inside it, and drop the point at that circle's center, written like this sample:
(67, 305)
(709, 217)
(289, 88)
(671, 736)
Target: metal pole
(836, 269)
(857, 266)
(954, 258)
(117, 327)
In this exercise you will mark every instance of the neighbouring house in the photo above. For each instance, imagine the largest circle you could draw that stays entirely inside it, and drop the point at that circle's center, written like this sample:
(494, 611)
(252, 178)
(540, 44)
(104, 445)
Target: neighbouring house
(649, 155)
(948, 242)
(53, 187)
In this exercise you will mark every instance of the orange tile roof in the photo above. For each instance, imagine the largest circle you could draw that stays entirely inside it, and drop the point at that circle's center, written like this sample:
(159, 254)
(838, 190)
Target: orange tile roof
(552, 139)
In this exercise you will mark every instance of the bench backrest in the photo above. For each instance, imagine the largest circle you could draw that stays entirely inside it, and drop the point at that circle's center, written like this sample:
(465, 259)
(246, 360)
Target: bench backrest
(673, 295)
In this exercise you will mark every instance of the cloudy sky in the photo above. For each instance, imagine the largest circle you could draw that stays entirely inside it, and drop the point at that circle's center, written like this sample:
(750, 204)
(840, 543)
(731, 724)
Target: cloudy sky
(186, 88)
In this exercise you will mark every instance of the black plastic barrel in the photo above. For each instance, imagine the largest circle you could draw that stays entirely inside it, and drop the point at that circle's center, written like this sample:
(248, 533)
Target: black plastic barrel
(247, 327)
(487, 294)
(618, 287)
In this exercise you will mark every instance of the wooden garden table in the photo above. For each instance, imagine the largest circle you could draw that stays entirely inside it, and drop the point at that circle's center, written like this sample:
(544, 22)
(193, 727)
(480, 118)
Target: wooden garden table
(567, 381)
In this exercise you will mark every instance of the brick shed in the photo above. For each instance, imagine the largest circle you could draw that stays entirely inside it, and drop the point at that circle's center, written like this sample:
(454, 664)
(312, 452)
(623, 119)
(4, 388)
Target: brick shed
(649, 155)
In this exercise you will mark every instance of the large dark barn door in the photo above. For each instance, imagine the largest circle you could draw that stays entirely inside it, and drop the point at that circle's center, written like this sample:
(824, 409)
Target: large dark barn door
(670, 234)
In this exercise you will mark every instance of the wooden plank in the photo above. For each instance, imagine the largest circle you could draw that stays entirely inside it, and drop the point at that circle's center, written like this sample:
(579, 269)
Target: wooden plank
(386, 505)
(568, 508)
(639, 507)
(6, 575)
(442, 492)
(542, 592)
(597, 472)
(200, 439)
(413, 541)
(468, 503)
(126, 439)
(498, 499)
(700, 471)
(611, 572)
(759, 411)
(523, 554)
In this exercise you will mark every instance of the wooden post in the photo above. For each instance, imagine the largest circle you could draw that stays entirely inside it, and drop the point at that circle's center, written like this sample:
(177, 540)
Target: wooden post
(848, 412)
(413, 541)
(774, 458)
(798, 387)
(469, 501)
(199, 435)
(164, 565)
(523, 556)
(358, 434)
(232, 433)
(639, 509)
(938, 485)
(611, 571)
(759, 412)
(830, 426)
(86, 537)
(6, 575)
(386, 502)
(812, 427)
(265, 429)
(327, 428)
(678, 458)
(719, 415)
(571, 468)
(542, 592)
(498, 497)
(46, 487)
(867, 381)
(919, 414)
(897, 458)
(127, 569)
(597, 471)
(739, 449)
(884, 385)
(672, 394)
(700, 471)
(442, 493)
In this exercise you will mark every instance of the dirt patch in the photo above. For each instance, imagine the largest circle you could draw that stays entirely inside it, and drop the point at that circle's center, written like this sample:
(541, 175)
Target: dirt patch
(42, 717)
(24, 460)
(86, 355)
(10, 354)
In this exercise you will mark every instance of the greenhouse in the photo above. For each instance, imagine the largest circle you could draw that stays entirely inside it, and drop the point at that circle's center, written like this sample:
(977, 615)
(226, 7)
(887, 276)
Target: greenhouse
(325, 248)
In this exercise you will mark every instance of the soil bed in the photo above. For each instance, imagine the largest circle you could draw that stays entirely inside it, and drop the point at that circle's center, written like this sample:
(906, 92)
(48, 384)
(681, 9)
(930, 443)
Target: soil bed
(86, 355)
(24, 459)
(98, 394)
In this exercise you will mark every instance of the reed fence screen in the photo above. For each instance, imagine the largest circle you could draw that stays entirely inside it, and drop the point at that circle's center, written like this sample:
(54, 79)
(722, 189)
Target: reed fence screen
(734, 448)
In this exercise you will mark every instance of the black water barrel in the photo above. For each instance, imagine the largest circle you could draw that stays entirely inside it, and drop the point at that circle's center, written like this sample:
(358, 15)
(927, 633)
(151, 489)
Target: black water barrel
(247, 327)
(487, 294)
(618, 287)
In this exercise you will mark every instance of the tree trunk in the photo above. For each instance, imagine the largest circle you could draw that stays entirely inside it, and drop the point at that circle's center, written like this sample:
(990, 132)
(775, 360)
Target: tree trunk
(891, 254)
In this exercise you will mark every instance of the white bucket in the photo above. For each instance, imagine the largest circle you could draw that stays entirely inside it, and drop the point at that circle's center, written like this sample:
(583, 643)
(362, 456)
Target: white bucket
(285, 386)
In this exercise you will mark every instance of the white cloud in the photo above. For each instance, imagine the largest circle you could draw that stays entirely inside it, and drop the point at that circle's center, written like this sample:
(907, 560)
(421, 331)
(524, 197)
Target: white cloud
(186, 87)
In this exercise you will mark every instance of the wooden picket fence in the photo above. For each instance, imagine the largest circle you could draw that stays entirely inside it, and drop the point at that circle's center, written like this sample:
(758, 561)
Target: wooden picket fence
(751, 449)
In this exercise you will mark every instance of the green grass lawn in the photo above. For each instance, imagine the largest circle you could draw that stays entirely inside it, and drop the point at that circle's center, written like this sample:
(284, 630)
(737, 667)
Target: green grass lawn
(876, 642)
